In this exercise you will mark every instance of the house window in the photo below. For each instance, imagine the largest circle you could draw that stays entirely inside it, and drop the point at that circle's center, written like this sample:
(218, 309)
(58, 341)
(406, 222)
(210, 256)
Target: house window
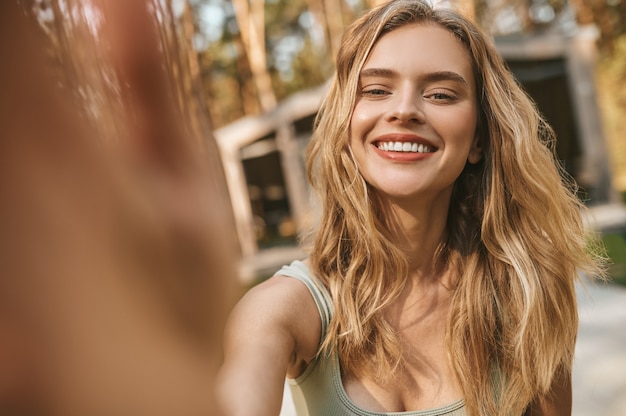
(273, 219)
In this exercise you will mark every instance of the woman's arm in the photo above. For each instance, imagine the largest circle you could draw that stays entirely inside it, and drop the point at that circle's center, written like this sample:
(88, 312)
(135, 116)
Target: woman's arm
(558, 402)
(273, 332)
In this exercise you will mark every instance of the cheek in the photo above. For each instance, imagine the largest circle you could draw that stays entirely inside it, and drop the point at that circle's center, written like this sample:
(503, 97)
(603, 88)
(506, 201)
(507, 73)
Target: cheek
(362, 118)
(459, 125)
(462, 115)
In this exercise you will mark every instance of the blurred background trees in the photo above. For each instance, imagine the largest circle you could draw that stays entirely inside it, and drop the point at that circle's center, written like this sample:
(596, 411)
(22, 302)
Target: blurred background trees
(248, 55)
(238, 58)
(292, 42)
(254, 53)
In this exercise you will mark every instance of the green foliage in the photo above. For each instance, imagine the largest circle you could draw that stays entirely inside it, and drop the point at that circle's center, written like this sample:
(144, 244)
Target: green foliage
(309, 68)
(615, 244)
(298, 57)
(296, 51)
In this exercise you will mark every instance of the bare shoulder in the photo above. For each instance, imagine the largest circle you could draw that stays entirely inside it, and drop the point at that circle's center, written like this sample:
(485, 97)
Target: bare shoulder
(272, 333)
(280, 299)
(280, 311)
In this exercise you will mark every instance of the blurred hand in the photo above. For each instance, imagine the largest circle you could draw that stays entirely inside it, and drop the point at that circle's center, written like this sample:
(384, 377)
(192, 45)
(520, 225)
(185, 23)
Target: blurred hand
(116, 254)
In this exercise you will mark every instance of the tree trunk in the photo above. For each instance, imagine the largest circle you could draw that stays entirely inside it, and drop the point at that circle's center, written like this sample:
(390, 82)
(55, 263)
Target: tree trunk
(596, 12)
(249, 99)
(334, 23)
(252, 29)
(584, 12)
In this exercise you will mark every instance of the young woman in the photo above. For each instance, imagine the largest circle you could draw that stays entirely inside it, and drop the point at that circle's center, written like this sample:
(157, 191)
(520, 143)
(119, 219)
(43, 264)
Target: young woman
(441, 278)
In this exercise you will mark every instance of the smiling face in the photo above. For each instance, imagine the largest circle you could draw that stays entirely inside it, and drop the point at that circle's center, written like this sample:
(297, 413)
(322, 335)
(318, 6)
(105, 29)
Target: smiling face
(413, 127)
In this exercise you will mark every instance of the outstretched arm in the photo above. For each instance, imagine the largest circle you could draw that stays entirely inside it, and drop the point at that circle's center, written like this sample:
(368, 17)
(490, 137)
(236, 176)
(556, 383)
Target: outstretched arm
(272, 333)
(115, 250)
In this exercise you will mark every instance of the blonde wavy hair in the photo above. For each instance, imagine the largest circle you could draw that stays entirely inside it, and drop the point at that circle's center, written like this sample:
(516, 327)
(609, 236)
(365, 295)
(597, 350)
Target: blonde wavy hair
(514, 236)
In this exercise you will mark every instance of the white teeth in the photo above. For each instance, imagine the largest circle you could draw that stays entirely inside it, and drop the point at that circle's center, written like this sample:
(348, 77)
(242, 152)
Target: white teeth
(405, 147)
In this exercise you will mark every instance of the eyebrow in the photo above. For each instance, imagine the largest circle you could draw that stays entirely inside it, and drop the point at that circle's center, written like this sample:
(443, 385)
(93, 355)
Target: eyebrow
(430, 77)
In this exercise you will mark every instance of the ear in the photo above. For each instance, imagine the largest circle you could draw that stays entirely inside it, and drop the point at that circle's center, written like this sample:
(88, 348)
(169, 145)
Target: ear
(476, 151)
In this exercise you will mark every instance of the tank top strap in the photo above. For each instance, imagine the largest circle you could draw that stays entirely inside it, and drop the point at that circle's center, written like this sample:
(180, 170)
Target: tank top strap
(298, 270)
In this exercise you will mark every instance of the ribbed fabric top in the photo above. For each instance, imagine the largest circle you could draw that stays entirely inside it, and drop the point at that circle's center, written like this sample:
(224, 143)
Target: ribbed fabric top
(319, 390)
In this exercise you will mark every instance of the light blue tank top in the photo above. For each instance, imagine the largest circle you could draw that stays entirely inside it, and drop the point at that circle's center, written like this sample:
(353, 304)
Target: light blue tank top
(319, 390)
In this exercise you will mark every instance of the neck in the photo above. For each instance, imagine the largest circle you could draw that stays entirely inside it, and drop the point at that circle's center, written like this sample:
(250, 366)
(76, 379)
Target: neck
(420, 231)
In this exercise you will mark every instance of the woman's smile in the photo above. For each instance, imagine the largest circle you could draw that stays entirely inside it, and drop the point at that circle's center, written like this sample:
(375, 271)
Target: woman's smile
(403, 147)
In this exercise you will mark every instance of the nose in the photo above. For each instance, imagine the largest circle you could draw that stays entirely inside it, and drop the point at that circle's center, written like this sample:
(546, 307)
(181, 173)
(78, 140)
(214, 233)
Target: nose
(406, 106)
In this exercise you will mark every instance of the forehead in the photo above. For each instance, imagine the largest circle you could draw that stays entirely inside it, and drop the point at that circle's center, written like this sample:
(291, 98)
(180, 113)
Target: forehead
(421, 47)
